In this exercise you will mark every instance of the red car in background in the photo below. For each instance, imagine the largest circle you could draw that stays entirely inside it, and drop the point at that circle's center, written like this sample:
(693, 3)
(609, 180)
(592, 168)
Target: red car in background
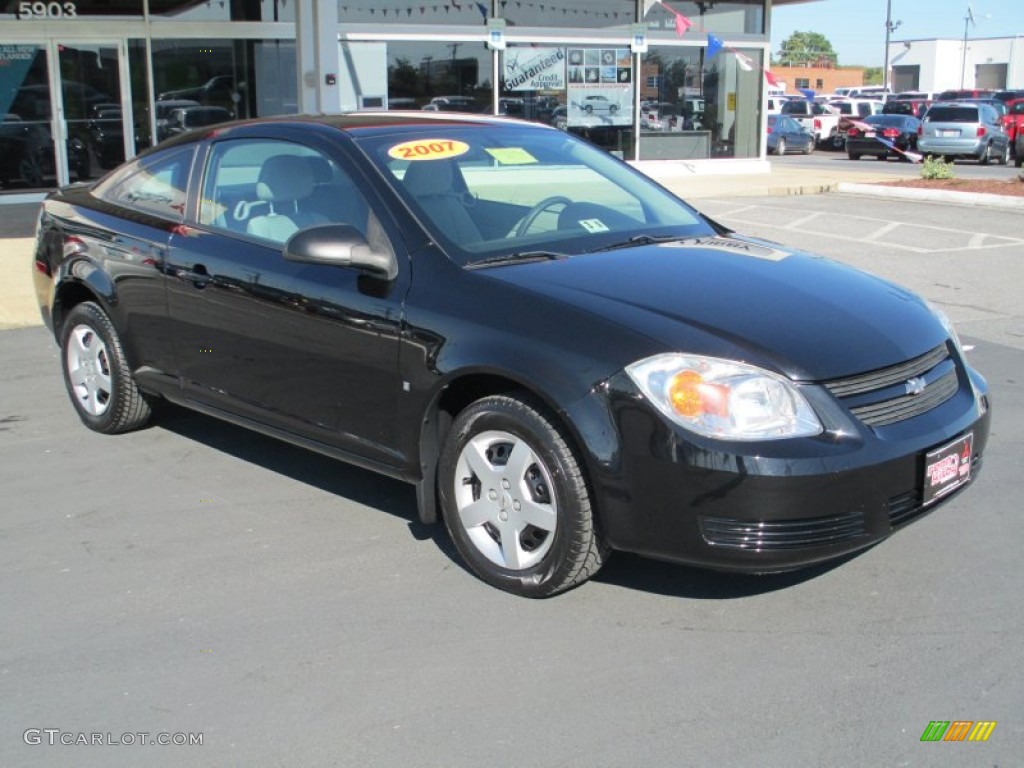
(1013, 120)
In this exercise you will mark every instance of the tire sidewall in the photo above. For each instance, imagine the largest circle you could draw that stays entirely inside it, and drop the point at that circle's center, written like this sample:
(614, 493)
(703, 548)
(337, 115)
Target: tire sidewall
(91, 315)
(502, 414)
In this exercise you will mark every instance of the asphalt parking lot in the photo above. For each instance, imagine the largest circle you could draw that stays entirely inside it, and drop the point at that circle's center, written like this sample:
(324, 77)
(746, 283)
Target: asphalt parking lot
(194, 578)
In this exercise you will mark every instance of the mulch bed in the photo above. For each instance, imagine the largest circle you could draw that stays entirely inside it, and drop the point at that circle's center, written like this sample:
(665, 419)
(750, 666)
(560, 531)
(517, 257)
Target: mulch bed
(1014, 188)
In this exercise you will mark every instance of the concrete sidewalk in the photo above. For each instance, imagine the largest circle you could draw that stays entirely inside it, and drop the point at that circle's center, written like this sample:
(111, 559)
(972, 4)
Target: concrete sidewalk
(689, 180)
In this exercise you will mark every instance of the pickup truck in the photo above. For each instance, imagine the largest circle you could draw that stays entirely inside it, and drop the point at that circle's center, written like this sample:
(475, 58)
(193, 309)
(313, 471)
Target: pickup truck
(820, 120)
(1013, 120)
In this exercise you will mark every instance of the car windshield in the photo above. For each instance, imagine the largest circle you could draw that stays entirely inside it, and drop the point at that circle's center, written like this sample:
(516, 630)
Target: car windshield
(485, 191)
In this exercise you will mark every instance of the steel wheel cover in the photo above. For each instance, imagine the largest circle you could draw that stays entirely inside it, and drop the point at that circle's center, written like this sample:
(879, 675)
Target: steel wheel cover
(505, 500)
(88, 366)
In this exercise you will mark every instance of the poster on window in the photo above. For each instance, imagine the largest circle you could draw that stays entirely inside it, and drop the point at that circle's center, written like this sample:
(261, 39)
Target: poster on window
(600, 90)
(534, 69)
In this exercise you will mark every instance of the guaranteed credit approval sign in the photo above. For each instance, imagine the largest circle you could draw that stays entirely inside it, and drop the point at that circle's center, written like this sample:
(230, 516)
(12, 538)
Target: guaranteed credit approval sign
(534, 69)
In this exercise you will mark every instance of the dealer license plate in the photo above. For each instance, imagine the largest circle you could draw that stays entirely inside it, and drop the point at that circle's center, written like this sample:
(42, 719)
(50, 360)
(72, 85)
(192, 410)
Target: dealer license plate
(947, 468)
(947, 133)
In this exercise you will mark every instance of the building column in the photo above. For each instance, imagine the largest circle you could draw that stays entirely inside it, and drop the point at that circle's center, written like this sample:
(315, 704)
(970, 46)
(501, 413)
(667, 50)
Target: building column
(316, 42)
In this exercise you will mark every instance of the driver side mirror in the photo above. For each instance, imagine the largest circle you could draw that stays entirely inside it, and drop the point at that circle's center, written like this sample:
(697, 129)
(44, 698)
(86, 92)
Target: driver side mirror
(339, 245)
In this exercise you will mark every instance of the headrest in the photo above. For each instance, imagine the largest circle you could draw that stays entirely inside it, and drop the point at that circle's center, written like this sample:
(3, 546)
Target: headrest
(319, 169)
(430, 177)
(284, 177)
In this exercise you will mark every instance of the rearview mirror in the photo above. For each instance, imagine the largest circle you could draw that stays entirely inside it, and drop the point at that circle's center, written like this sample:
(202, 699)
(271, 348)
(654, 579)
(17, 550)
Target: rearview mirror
(339, 245)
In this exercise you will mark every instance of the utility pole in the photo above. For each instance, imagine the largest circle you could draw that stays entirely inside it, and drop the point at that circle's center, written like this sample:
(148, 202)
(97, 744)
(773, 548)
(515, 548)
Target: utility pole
(968, 19)
(890, 27)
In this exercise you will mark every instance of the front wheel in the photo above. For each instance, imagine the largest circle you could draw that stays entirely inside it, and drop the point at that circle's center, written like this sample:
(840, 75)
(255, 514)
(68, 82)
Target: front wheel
(97, 374)
(515, 501)
(854, 155)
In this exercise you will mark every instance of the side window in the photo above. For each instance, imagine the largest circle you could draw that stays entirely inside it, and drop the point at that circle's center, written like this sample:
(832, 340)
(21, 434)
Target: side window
(158, 184)
(271, 189)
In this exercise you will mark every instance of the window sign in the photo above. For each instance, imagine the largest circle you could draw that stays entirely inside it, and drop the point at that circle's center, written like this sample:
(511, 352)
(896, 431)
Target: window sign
(535, 69)
(600, 91)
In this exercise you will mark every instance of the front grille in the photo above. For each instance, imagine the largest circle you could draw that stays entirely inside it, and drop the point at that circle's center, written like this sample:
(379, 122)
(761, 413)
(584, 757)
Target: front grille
(904, 508)
(782, 534)
(879, 398)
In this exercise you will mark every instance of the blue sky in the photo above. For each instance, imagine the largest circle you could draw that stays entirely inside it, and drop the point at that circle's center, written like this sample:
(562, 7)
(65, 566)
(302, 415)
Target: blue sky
(856, 28)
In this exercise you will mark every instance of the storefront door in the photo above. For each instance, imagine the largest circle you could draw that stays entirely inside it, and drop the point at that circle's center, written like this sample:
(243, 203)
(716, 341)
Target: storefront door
(93, 116)
(74, 91)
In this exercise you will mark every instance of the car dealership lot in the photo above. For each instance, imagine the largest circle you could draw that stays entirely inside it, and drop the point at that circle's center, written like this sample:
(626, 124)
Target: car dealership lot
(194, 577)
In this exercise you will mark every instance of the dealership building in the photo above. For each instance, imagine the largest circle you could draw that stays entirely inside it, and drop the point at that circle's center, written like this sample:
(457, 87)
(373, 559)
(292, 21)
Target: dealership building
(642, 79)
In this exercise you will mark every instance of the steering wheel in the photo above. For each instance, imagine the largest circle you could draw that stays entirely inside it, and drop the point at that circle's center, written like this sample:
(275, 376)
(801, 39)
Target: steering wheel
(537, 210)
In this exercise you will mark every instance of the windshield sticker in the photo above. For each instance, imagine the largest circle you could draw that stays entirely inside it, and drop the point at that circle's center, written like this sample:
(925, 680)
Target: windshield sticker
(739, 247)
(511, 155)
(428, 149)
(594, 225)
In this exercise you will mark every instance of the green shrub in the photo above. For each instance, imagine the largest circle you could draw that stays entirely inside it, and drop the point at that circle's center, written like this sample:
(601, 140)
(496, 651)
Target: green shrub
(936, 168)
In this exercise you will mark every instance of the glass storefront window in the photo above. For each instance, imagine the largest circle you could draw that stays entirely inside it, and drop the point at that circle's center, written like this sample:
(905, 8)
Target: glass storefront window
(561, 14)
(588, 90)
(735, 17)
(222, 10)
(691, 107)
(200, 82)
(434, 76)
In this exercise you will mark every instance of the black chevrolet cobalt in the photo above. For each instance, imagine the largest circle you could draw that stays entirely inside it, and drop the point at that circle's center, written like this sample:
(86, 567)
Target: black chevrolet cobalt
(561, 356)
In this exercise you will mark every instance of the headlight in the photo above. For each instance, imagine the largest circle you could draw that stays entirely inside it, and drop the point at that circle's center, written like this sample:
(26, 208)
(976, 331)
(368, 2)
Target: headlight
(724, 399)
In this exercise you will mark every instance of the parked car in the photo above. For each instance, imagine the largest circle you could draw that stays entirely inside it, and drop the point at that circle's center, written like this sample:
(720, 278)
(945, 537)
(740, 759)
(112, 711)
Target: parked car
(105, 135)
(1013, 120)
(820, 120)
(184, 119)
(965, 93)
(563, 358)
(852, 108)
(1019, 148)
(217, 90)
(899, 130)
(560, 117)
(787, 135)
(1009, 95)
(913, 107)
(453, 104)
(964, 130)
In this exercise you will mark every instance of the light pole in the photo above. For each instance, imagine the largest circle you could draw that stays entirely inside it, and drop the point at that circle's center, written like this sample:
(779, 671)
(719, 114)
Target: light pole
(890, 27)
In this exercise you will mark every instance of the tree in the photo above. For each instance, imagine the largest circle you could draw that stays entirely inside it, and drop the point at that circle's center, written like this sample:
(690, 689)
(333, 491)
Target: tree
(872, 76)
(807, 49)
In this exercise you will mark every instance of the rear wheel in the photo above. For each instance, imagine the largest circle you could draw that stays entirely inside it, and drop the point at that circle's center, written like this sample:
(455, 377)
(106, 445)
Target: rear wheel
(97, 374)
(780, 147)
(986, 156)
(1004, 158)
(883, 156)
(515, 501)
(854, 155)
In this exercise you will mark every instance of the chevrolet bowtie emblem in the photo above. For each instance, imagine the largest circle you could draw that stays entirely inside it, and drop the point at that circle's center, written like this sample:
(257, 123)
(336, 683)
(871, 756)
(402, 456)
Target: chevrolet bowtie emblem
(916, 385)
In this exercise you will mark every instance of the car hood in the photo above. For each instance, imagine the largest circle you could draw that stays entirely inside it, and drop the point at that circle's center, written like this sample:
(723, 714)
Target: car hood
(806, 316)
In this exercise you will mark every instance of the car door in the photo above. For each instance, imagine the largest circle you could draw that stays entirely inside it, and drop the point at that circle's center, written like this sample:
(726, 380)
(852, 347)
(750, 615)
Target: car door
(307, 348)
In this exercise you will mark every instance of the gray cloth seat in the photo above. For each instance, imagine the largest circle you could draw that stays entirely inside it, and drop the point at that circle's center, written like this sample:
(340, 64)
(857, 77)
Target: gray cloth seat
(438, 188)
(285, 183)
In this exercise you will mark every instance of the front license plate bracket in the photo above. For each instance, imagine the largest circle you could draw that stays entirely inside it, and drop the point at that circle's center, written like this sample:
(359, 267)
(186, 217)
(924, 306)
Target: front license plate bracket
(947, 468)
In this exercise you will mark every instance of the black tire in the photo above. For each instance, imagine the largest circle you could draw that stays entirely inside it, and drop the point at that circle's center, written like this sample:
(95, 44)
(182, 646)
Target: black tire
(1019, 161)
(780, 147)
(838, 142)
(986, 156)
(507, 462)
(613, 108)
(96, 373)
(1004, 158)
(810, 148)
(883, 156)
(854, 155)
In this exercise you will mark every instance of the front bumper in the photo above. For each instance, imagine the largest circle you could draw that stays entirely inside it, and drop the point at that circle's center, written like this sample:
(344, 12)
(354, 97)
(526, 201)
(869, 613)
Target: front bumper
(769, 506)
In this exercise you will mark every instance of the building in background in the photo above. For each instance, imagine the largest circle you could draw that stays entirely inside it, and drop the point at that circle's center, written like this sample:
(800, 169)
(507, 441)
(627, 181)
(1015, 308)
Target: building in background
(86, 83)
(942, 64)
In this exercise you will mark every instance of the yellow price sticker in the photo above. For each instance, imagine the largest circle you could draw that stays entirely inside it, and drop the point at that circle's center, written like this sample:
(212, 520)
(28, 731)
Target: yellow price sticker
(428, 149)
(511, 155)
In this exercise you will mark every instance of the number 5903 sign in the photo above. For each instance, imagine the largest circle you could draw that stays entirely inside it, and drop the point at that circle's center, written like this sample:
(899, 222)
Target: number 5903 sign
(51, 10)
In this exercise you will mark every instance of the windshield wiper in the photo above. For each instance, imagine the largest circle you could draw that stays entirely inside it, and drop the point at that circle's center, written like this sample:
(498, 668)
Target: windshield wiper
(519, 257)
(636, 240)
